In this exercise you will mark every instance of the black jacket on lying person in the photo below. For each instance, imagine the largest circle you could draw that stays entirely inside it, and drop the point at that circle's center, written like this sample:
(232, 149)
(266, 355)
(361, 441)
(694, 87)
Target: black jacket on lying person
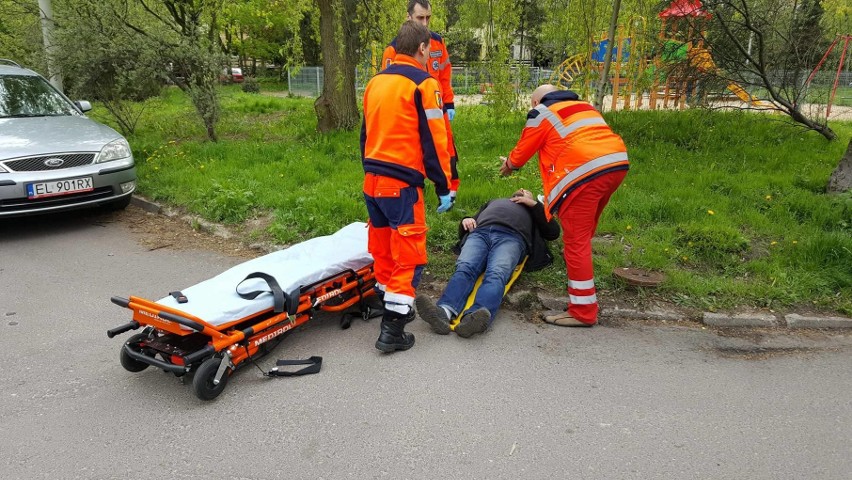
(539, 254)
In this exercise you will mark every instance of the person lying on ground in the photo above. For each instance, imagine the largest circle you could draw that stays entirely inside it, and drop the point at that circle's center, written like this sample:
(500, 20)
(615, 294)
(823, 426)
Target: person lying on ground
(493, 242)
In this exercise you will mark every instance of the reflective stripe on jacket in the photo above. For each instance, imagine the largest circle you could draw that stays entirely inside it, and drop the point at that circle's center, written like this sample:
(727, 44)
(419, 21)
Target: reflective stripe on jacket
(574, 144)
(439, 66)
(404, 135)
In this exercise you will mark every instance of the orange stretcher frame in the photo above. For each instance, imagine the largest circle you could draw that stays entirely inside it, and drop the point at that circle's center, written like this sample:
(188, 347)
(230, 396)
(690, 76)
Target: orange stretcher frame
(185, 343)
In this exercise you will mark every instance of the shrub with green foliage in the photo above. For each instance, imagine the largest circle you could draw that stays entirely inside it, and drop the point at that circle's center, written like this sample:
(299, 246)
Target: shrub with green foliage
(226, 203)
(251, 85)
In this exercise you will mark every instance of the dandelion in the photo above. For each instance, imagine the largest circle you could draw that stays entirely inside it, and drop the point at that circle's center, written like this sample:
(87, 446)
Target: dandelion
(629, 227)
(773, 243)
(795, 242)
(684, 258)
(711, 212)
(201, 167)
(769, 197)
(665, 249)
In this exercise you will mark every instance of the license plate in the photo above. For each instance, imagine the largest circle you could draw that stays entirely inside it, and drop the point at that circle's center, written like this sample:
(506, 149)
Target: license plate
(59, 187)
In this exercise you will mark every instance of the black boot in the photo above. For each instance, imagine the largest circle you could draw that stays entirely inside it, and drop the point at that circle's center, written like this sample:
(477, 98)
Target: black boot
(393, 336)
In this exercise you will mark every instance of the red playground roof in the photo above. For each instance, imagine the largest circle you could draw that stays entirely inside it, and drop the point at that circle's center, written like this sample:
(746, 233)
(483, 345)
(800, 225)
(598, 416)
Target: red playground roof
(684, 8)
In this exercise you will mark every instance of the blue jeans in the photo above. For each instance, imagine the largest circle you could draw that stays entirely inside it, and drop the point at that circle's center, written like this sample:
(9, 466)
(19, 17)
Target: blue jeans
(494, 250)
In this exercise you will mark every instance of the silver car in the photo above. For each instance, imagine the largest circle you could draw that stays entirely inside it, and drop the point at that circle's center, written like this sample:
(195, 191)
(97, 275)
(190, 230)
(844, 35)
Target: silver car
(52, 157)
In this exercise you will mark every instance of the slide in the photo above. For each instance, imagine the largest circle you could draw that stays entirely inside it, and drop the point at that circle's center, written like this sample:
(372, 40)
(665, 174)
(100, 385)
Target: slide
(702, 60)
(745, 96)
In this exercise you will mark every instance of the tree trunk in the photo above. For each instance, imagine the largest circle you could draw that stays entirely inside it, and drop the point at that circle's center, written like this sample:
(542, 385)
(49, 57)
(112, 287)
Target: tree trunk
(601, 90)
(841, 179)
(336, 108)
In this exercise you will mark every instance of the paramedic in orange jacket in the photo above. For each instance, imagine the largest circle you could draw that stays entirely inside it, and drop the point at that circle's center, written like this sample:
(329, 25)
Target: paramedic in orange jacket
(582, 163)
(441, 70)
(403, 141)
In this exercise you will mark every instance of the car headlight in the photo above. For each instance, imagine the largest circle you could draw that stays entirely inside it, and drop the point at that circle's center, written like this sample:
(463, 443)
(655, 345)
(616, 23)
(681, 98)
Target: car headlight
(115, 150)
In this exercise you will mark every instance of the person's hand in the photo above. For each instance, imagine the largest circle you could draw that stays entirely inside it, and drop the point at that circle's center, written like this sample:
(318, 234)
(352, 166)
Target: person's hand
(451, 113)
(468, 224)
(505, 168)
(526, 200)
(446, 203)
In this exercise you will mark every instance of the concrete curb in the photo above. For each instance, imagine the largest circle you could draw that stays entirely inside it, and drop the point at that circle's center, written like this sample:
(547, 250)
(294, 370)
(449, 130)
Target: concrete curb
(530, 300)
(740, 320)
(799, 321)
(711, 319)
(203, 225)
(145, 204)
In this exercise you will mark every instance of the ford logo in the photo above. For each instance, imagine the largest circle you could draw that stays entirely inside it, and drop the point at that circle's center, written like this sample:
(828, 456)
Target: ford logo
(54, 162)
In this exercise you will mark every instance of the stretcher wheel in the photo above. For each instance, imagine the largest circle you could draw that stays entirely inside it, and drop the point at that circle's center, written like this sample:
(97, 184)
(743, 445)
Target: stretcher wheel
(203, 384)
(127, 362)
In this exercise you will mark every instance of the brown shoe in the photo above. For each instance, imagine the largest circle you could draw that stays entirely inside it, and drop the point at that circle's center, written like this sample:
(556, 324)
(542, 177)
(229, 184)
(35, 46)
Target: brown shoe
(473, 323)
(564, 319)
(432, 314)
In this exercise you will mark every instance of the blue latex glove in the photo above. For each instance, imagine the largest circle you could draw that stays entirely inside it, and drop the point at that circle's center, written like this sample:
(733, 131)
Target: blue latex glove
(451, 113)
(446, 203)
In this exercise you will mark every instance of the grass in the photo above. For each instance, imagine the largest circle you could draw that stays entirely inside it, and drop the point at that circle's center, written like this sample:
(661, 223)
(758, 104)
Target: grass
(730, 206)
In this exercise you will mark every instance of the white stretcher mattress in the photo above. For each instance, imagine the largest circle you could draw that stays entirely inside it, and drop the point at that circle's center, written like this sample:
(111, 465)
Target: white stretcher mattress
(216, 301)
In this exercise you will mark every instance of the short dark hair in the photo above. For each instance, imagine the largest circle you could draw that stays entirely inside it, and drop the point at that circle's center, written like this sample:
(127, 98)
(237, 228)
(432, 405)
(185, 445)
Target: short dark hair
(422, 3)
(410, 36)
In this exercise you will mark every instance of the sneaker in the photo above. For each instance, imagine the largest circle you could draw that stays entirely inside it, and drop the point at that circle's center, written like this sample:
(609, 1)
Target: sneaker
(432, 314)
(473, 323)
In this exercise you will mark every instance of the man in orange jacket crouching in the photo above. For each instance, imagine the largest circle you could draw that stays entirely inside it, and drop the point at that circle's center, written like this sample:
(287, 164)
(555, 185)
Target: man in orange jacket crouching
(403, 142)
(582, 163)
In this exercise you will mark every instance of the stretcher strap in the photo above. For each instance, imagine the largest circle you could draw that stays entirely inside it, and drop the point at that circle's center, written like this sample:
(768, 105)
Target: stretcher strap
(180, 297)
(275, 289)
(314, 364)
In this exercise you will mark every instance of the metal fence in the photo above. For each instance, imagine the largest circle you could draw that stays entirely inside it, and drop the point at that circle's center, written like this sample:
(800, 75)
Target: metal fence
(308, 81)
(472, 80)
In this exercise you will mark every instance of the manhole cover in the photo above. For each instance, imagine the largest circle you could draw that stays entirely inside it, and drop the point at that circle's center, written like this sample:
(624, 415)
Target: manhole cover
(639, 277)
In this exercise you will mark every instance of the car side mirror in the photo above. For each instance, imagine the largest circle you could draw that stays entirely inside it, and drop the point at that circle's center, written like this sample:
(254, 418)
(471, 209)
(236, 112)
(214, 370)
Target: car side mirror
(83, 105)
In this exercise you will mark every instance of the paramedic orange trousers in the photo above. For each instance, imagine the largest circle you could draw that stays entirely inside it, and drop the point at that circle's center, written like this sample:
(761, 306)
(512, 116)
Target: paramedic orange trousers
(579, 214)
(397, 235)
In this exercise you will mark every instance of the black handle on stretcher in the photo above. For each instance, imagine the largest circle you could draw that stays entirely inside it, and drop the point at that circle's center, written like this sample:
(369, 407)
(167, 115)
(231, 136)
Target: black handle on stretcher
(198, 355)
(120, 301)
(122, 328)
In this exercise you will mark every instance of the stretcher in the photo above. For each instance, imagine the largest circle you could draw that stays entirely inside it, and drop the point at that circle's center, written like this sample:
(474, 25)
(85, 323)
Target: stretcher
(212, 328)
(472, 297)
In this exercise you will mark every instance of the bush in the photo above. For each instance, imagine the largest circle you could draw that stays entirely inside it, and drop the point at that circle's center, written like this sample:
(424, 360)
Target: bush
(227, 203)
(251, 85)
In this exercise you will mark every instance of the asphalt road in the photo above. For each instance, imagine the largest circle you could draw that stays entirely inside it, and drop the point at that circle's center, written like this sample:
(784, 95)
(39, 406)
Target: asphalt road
(621, 400)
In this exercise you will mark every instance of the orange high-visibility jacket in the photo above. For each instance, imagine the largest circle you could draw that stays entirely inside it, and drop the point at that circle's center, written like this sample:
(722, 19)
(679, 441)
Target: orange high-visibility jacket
(574, 143)
(404, 135)
(438, 66)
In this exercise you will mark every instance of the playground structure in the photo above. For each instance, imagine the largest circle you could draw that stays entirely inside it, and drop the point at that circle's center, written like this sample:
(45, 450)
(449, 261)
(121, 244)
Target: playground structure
(671, 71)
(846, 38)
(691, 59)
(630, 54)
